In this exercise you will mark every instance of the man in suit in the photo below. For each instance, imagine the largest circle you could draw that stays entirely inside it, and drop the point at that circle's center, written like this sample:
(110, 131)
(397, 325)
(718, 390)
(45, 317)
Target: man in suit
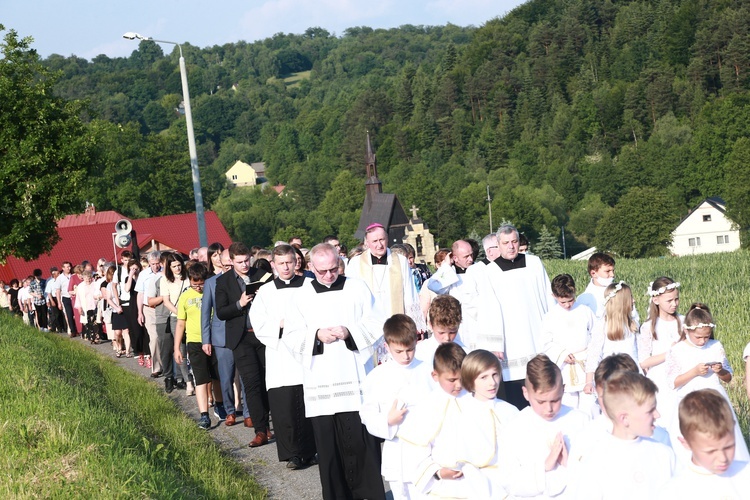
(232, 306)
(214, 339)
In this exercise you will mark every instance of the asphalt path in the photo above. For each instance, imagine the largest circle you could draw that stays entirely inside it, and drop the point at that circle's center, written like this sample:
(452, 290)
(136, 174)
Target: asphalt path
(262, 462)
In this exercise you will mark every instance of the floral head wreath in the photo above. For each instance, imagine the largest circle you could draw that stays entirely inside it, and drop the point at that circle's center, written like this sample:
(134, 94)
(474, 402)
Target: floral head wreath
(664, 289)
(611, 295)
(700, 325)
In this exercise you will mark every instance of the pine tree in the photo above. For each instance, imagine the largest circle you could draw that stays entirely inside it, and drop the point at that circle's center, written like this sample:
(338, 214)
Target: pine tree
(548, 246)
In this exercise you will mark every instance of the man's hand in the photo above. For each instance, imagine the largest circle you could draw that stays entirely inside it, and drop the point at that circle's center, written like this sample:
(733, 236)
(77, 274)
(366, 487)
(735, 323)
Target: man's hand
(245, 299)
(332, 334)
(140, 318)
(177, 356)
(207, 349)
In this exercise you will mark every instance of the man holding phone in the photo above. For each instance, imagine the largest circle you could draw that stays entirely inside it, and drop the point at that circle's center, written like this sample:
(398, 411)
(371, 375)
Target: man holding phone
(232, 306)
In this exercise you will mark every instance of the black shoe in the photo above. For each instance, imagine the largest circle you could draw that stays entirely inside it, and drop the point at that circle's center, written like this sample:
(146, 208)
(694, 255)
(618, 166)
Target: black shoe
(313, 460)
(180, 384)
(169, 384)
(295, 463)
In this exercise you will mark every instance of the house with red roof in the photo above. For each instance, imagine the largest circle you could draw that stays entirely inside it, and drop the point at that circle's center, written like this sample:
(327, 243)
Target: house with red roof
(90, 236)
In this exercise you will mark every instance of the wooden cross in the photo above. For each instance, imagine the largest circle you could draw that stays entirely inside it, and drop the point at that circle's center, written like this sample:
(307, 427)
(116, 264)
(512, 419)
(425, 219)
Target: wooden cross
(414, 211)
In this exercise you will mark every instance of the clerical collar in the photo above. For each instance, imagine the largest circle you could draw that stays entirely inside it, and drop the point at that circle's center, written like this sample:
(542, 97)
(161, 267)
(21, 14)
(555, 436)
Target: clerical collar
(295, 282)
(508, 265)
(381, 261)
(460, 270)
(485, 261)
(336, 286)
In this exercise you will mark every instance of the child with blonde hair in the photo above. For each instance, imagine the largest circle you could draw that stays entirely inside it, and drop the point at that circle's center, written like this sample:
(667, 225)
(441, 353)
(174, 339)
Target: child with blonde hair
(615, 333)
(626, 463)
(707, 427)
(698, 361)
(657, 335)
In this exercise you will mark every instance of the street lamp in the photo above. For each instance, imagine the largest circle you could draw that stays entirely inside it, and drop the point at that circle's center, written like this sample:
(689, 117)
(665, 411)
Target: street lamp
(202, 236)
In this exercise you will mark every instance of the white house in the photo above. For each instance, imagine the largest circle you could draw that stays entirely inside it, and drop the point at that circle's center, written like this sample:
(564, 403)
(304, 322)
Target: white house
(241, 174)
(706, 229)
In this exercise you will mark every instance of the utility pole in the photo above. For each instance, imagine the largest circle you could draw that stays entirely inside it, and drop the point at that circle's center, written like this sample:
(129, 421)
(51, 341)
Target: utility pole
(489, 205)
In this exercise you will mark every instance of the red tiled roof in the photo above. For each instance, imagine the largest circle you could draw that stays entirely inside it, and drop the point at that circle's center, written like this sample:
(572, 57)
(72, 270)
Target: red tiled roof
(92, 241)
(87, 219)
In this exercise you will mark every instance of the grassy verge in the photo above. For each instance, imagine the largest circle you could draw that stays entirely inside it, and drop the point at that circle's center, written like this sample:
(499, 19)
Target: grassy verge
(721, 281)
(73, 423)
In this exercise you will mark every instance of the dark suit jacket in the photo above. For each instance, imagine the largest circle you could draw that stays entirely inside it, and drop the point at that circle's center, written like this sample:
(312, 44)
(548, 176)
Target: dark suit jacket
(228, 292)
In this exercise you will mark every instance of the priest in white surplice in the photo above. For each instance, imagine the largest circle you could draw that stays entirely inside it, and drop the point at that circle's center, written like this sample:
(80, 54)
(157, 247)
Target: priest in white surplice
(388, 275)
(517, 295)
(332, 330)
(295, 443)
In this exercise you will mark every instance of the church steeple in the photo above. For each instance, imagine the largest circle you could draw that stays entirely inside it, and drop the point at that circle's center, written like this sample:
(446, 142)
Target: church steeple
(372, 184)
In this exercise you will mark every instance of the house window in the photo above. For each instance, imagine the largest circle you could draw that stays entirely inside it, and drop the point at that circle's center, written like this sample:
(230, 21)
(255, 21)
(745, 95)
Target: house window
(707, 218)
(694, 242)
(234, 177)
(722, 239)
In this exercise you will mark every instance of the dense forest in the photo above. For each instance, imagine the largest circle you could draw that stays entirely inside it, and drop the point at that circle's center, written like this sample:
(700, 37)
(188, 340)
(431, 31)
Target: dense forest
(611, 119)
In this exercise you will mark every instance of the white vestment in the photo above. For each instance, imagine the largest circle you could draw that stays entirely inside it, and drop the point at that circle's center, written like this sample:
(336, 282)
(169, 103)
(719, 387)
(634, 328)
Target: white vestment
(566, 332)
(462, 286)
(624, 469)
(433, 437)
(524, 445)
(269, 308)
(510, 316)
(380, 284)
(601, 347)
(332, 379)
(693, 481)
(387, 383)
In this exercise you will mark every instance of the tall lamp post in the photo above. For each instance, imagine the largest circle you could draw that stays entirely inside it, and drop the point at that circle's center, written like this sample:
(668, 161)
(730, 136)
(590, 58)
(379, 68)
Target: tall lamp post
(200, 216)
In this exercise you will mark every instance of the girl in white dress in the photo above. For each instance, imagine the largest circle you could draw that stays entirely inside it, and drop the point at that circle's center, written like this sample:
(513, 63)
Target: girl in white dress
(658, 334)
(615, 333)
(699, 361)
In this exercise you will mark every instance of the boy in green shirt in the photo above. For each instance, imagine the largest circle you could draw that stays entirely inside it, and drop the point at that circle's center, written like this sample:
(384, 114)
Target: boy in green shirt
(204, 365)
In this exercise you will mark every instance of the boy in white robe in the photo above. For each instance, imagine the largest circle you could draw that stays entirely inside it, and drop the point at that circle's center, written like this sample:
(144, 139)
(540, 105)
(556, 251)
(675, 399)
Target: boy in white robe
(626, 464)
(434, 446)
(601, 268)
(707, 427)
(591, 437)
(534, 463)
(566, 333)
(389, 391)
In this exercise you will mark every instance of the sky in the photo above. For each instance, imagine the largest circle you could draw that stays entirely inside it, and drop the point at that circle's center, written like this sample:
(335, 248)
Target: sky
(87, 28)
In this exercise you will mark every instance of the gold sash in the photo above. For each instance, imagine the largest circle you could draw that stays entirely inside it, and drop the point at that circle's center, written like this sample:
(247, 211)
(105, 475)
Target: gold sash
(394, 276)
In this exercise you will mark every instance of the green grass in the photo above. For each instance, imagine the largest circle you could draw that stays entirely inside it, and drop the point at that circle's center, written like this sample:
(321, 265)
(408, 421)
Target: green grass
(294, 79)
(73, 423)
(721, 281)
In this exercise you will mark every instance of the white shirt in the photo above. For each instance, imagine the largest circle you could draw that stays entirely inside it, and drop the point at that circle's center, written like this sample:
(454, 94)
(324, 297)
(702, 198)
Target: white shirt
(567, 332)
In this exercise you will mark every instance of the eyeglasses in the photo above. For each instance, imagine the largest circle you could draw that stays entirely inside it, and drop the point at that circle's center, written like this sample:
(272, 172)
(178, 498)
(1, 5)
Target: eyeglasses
(323, 272)
(197, 286)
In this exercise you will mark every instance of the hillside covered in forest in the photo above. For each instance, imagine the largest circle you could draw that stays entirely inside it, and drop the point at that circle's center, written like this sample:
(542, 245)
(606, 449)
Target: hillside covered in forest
(609, 118)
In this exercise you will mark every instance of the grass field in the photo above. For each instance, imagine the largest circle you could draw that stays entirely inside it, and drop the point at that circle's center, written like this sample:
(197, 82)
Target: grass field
(73, 424)
(294, 79)
(721, 281)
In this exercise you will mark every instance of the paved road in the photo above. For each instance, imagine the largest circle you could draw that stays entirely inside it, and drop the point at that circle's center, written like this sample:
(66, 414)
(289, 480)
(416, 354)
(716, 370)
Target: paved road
(263, 462)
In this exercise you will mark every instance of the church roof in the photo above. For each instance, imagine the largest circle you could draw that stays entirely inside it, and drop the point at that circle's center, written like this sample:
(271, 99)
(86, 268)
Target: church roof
(383, 208)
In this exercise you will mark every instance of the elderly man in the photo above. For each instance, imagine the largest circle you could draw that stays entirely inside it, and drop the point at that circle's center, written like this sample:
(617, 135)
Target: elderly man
(517, 296)
(332, 329)
(387, 275)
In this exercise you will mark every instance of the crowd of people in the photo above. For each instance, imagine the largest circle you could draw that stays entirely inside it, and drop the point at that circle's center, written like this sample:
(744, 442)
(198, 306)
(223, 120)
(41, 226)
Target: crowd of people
(483, 379)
